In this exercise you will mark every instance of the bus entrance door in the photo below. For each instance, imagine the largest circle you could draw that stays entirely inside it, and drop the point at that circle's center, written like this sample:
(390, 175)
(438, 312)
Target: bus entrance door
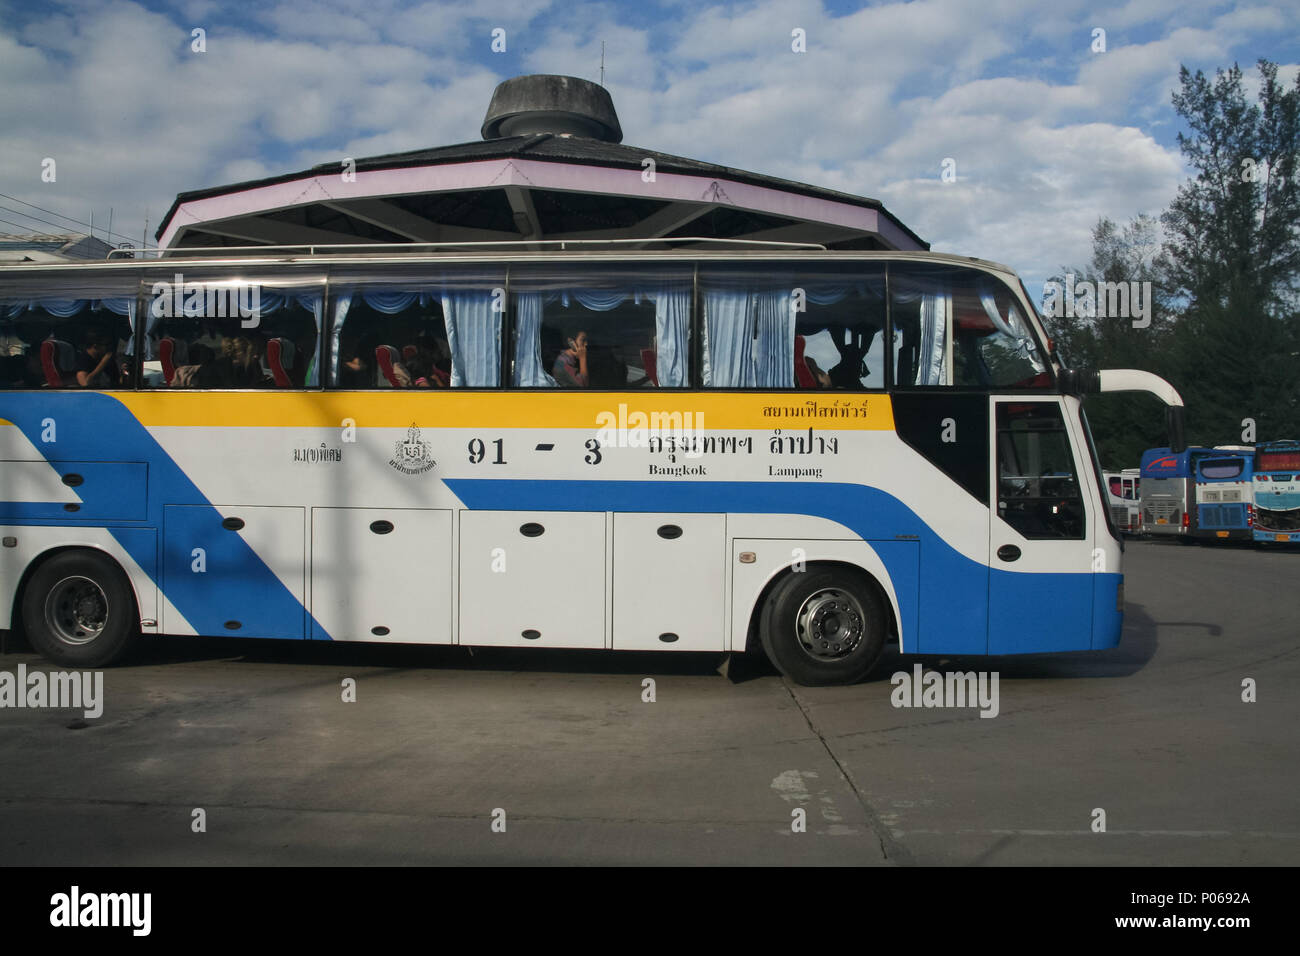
(1040, 546)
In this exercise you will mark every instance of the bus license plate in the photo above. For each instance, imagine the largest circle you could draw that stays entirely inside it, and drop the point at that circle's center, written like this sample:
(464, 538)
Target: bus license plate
(1281, 537)
(1221, 534)
(1162, 521)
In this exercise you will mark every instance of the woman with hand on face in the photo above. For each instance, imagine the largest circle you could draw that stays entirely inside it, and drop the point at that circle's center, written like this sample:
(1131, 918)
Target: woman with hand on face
(571, 365)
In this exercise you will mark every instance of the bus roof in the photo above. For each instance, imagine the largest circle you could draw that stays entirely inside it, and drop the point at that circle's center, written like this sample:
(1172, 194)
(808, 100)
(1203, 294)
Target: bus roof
(442, 253)
(1162, 463)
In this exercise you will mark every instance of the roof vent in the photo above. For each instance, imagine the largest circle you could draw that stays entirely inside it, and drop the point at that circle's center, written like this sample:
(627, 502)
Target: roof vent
(542, 103)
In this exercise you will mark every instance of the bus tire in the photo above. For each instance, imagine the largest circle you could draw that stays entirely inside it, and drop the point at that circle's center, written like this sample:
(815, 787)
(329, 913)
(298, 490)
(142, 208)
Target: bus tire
(79, 610)
(824, 626)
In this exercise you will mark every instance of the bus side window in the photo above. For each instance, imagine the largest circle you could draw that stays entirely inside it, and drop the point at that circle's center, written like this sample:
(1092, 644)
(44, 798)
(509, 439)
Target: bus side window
(954, 326)
(225, 335)
(67, 343)
(593, 326)
(820, 327)
(429, 333)
(1038, 484)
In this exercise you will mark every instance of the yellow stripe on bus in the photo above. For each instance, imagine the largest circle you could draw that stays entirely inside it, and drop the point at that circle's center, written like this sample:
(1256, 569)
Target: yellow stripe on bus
(456, 409)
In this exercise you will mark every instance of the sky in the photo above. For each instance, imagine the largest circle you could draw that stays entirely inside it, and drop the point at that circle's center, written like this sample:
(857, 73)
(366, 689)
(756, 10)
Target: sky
(1046, 133)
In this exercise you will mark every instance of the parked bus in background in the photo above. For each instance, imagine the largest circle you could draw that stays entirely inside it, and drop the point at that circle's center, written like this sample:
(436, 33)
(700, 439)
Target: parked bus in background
(1123, 492)
(585, 447)
(1224, 503)
(1167, 491)
(1277, 491)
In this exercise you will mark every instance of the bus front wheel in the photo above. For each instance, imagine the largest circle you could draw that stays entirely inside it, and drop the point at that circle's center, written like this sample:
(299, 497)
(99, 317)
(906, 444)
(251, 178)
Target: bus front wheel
(824, 626)
(79, 610)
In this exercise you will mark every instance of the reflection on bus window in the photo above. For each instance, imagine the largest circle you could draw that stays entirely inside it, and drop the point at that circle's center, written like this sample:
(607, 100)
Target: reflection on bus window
(231, 336)
(601, 327)
(821, 327)
(66, 342)
(959, 327)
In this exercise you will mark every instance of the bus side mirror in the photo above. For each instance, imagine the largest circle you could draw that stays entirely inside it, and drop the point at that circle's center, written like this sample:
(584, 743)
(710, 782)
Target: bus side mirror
(1174, 426)
(1079, 381)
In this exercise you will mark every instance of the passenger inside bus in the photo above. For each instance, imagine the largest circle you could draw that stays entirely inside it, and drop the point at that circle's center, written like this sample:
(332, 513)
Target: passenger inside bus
(820, 379)
(199, 372)
(571, 368)
(199, 349)
(428, 360)
(95, 366)
(240, 364)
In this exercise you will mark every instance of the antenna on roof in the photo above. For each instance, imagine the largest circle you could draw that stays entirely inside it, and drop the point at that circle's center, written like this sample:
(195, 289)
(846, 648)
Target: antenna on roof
(602, 62)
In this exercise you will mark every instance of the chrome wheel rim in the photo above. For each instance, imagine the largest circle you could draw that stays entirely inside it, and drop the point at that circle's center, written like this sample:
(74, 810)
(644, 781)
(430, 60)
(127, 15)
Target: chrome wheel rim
(76, 610)
(830, 624)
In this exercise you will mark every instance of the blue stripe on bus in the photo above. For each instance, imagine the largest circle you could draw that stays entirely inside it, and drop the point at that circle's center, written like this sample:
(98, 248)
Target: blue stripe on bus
(94, 427)
(955, 618)
(1031, 612)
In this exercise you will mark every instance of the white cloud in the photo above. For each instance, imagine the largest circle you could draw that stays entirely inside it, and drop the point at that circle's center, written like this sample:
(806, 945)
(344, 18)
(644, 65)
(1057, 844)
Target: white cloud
(1047, 136)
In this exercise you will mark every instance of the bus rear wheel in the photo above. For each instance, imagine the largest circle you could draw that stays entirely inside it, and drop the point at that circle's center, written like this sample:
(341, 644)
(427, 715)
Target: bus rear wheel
(79, 610)
(824, 626)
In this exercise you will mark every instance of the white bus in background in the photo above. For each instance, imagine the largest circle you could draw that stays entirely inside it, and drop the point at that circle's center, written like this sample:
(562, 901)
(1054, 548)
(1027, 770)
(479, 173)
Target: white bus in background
(1123, 491)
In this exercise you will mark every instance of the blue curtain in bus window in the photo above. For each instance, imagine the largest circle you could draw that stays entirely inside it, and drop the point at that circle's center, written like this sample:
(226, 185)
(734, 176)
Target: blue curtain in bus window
(672, 335)
(528, 371)
(598, 300)
(390, 303)
(474, 337)
(63, 308)
(774, 317)
(729, 338)
(749, 338)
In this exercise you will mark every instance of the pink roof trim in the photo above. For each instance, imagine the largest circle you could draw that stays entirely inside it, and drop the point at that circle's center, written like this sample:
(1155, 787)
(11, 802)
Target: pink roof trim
(378, 184)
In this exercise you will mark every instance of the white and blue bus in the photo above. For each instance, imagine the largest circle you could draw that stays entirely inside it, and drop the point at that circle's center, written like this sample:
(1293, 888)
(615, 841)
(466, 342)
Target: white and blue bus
(1277, 492)
(693, 449)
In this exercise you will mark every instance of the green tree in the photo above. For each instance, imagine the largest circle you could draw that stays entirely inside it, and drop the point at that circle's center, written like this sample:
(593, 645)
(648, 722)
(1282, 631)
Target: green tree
(1123, 425)
(1233, 244)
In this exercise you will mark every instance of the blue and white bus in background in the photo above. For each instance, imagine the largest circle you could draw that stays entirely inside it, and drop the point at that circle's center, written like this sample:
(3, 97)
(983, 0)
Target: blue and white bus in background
(1168, 491)
(531, 446)
(1224, 494)
(1277, 492)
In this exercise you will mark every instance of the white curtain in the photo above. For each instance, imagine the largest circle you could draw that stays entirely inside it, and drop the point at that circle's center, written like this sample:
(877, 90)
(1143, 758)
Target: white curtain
(529, 371)
(474, 337)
